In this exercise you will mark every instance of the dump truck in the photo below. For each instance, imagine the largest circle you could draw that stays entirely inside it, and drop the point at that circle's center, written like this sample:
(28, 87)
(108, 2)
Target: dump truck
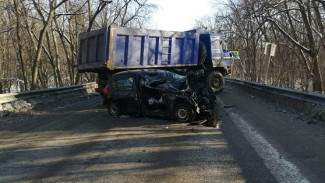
(113, 49)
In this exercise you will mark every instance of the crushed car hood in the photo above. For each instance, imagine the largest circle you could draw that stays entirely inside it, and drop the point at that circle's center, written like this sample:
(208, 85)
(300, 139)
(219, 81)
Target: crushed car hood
(192, 87)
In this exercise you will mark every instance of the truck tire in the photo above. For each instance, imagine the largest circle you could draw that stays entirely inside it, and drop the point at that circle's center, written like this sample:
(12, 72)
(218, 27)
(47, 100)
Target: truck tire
(203, 53)
(184, 113)
(113, 109)
(215, 81)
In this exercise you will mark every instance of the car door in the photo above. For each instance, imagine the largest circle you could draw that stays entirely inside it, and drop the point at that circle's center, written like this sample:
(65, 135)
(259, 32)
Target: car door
(125, 93)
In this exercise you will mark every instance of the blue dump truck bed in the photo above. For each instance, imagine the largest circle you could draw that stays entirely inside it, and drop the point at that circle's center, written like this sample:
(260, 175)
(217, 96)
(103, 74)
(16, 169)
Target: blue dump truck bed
(129, 48)
(113, 49)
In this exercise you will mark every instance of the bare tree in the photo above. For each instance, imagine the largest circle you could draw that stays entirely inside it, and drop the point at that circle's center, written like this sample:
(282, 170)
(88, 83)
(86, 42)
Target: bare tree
(1, 48)
(309, 44)
(40, 37)
(92, 16)
(296, 26)
(19, 42)
(47, 22)
(132, 13)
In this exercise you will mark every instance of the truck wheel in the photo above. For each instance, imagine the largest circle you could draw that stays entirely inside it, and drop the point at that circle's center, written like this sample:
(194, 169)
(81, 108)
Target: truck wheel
(203, 52)
(184, 113)
(113, 109)
(215, 81)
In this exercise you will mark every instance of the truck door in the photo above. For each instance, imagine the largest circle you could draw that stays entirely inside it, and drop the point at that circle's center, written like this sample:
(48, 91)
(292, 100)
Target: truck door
(125, 93)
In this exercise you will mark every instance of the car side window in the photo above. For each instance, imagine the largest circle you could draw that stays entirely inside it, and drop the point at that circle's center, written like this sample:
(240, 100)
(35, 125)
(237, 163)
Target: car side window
(123, 84)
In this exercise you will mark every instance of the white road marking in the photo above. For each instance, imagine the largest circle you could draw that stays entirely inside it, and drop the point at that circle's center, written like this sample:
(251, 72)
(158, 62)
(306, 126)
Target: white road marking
(282, 169)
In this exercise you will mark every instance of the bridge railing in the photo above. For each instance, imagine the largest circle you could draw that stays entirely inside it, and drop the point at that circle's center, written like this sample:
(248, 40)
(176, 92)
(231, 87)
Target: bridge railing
(315, 98)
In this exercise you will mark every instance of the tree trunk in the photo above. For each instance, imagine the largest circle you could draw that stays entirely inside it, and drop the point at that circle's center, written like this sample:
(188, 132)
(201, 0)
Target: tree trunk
(57, 64)
(78, 78)
(36, 63)
(1, 75)
(317, 80)
(20, 47)
(51, 59)
(47, 23)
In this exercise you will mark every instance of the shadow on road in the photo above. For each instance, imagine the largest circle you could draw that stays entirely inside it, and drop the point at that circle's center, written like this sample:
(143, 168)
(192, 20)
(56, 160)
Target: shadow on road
(82, 143)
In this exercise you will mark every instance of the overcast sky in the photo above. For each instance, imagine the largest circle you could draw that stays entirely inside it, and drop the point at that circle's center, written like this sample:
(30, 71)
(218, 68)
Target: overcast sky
(179, 15)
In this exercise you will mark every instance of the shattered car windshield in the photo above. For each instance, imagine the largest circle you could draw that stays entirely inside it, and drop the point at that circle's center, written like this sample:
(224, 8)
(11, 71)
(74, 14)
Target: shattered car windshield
(168, 76)
(177, 76)
(166, 81)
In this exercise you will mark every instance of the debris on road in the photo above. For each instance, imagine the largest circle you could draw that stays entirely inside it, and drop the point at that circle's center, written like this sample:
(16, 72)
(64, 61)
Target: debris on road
(313, 122)
(200, 122)
(229, 106)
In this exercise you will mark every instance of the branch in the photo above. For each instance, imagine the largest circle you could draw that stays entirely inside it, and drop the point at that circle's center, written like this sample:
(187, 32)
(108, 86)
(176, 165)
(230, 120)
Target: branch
(38, 9)
(68, 14)
(318, 33)
(322, 2)
(99, 9)
(7, 30)
(140, 4)
(74, 13)
(290, 38)
(44, 48)
(63, 1)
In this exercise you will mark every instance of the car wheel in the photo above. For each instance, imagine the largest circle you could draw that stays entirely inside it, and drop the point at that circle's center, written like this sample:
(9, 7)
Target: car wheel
(184, 113)
(113, 109)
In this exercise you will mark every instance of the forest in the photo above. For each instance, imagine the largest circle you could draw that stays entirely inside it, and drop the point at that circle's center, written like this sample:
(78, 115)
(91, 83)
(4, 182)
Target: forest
(39, 39)
(296, 29)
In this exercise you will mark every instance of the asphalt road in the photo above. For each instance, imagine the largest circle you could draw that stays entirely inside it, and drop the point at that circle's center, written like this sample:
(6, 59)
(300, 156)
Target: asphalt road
(291, 144)
(81, 143)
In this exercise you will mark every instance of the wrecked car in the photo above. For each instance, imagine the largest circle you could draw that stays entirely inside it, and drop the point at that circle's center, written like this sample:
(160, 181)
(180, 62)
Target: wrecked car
(159, 93)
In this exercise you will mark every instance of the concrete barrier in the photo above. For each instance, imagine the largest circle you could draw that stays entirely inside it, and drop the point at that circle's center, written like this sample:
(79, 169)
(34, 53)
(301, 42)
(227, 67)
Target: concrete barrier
(24, 101)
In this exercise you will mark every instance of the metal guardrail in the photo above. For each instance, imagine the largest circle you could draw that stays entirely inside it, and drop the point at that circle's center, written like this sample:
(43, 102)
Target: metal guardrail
(11, 97)
(315, 98)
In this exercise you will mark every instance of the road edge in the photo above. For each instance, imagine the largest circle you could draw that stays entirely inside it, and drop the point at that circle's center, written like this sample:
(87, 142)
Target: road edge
(283, 170)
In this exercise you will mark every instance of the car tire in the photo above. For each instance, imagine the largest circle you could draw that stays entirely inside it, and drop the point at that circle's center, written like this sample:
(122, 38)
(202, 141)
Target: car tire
(184, 113)
(113, 109)
(215, 81)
